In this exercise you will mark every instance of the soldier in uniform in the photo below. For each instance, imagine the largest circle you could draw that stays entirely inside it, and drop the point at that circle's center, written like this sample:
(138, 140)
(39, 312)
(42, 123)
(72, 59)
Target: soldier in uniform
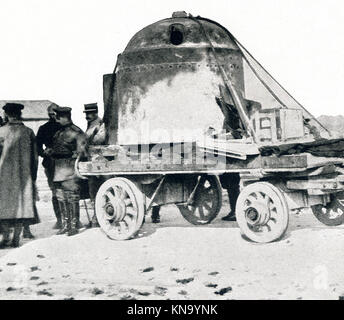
(18, 173)
(95, 134)
(68, 143)
(231, 180)
(95, 131)
(45, 136)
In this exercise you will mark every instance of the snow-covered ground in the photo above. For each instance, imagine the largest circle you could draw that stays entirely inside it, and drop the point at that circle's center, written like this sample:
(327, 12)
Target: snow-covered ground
(176, 260)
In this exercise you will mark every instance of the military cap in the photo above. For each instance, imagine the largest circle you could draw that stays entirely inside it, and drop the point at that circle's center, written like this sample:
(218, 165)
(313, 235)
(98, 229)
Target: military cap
(91, 107)
(14, 107)
(62, 110)
(52, 107)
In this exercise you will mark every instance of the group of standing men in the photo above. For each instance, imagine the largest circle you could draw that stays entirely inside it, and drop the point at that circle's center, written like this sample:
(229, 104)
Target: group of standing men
(59, 142)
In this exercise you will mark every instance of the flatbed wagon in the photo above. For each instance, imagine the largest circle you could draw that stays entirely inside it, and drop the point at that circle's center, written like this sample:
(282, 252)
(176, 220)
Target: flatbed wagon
(272, 187)
(179, 82)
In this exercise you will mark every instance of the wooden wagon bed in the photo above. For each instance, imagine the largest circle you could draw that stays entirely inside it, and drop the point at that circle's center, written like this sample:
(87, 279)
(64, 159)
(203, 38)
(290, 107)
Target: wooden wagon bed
(114, 160)
(185, 174)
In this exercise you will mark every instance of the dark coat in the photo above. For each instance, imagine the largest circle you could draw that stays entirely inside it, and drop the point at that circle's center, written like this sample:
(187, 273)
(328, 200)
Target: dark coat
(18, 173)
(44, 137)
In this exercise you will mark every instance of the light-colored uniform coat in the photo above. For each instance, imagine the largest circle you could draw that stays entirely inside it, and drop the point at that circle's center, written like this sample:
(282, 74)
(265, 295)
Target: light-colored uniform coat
(95, 132)
(18, 172)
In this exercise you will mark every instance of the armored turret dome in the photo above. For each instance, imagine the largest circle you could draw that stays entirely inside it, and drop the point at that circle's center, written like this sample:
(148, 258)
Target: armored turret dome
(180, 31)
(172, 74)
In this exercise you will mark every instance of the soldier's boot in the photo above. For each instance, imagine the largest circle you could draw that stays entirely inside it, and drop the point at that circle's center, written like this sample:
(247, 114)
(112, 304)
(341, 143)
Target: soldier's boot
(5, 231)
(58, 224)
(16, 234)
(155, 214)
(63, 206)
(79, 225)
(232, 196)
(74, 213)
(94, 220)
(27, 232)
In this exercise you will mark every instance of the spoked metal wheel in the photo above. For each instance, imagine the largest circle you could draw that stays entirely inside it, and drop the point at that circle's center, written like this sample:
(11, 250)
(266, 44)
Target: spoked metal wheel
(262, 212)
(120, 208)
(333, 213)
(206, 202)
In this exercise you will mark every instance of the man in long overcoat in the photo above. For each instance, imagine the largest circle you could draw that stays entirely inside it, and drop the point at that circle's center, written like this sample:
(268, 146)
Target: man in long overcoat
(18, 173)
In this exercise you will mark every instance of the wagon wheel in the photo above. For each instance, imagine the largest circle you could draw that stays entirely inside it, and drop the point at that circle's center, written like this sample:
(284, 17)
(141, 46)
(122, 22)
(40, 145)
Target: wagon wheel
(119, 208)
(206, 203)
(262, 212)
(333, 213)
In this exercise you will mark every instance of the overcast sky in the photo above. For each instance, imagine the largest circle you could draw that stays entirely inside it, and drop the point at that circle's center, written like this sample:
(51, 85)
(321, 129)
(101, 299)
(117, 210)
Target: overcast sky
(59, 49)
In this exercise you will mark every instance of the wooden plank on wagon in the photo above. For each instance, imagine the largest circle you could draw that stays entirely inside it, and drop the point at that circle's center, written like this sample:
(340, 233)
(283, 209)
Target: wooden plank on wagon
(106, 150)
(313, 161)
(287, 161)
(326, 184)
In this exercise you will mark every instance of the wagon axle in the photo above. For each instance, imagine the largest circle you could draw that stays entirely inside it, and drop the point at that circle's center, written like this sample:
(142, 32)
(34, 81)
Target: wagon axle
(253, 216)
(117, 211)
